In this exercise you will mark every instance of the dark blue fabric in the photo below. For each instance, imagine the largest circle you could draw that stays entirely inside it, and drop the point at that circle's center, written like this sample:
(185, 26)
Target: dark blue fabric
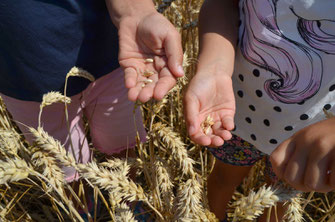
(41, 40)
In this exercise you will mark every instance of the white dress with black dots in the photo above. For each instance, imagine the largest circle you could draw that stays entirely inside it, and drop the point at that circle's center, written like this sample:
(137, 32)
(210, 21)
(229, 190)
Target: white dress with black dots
(284, 70)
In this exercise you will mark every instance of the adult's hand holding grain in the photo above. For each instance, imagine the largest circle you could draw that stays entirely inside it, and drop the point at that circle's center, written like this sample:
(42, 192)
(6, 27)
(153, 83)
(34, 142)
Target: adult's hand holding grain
(144, 35)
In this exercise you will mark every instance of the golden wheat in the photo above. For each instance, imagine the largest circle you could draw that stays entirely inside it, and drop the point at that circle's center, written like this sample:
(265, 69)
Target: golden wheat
(75, 71)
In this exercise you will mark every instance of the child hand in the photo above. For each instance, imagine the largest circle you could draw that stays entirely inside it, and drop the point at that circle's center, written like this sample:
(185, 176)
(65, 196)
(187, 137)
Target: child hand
(210, 96)
(150, 48)
(307, 159)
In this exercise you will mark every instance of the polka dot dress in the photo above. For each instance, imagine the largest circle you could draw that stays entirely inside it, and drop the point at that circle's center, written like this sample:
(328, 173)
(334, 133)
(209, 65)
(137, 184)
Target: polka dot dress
(266, 123)
(261, 119)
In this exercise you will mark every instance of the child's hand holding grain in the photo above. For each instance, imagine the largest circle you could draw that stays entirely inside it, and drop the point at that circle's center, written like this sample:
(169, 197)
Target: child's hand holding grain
(210, 97)
(307, 159)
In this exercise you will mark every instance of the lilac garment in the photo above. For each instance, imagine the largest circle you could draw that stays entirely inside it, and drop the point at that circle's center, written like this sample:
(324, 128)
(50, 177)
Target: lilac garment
(104, 102)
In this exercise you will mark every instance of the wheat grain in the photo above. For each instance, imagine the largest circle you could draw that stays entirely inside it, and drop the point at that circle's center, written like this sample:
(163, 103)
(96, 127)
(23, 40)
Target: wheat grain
(147, 73)
(149, 60)
(207, 124)
(146, 81)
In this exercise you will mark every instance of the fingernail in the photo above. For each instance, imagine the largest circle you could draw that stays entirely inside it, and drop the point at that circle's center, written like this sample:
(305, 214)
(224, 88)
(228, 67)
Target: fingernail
(180, 70)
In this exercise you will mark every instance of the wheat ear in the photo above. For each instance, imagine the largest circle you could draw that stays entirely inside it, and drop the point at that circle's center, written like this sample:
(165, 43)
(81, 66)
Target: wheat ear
(294, 210)
(251, 206)
(188, 201)
(51, 98)
(123, 213)
(13, 169)
(176, 146)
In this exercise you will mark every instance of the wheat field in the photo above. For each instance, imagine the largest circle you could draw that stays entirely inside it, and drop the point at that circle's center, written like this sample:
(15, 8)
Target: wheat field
(171, 171)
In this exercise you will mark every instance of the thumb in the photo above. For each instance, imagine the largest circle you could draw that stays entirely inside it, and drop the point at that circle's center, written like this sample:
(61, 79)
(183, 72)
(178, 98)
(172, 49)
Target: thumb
(191, 110)
(174, 53)
(281, 156)
(228, 122)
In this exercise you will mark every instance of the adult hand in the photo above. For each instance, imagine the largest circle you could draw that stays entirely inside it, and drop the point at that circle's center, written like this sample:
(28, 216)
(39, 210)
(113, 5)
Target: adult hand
(306, 160)
(210, 95)
(150, 48)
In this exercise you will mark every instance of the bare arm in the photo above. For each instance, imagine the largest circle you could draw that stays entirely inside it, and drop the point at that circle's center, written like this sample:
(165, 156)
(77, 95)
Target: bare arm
(119, 9)
(218, 31)
(210, 92)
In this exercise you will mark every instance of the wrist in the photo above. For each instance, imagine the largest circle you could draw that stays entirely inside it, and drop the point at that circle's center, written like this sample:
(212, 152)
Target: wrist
(215, 65)
(217, 54)
(215, 72)
(120, 10)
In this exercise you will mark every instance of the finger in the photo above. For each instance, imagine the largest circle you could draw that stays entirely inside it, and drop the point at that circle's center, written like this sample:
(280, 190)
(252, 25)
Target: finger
(134, 92)
(165, 82)
(147, 91)
(216, 141)
(130, 76)
(295, 169)
(201, 139)
(228, 122)
(174, 53)
(280, 157)
(316, 171)
(191, 110)
(218, 130)
(160, 62)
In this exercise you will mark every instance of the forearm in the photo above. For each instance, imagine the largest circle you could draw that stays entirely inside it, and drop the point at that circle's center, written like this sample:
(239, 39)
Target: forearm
(119, 9)
(218, 31)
